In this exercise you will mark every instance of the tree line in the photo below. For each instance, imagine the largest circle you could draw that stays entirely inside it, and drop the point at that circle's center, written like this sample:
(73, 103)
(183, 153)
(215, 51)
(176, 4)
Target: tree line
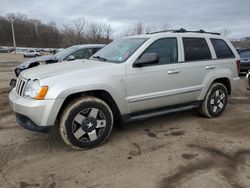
(34, 33)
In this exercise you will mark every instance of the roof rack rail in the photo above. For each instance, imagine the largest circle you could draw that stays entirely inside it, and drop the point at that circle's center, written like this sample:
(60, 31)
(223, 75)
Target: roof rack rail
(162, 31)
(185, 31)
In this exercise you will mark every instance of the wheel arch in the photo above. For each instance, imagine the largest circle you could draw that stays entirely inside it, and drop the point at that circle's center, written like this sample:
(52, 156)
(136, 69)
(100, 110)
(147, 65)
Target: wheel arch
(207, 84)
(100, 94)
(226, 82)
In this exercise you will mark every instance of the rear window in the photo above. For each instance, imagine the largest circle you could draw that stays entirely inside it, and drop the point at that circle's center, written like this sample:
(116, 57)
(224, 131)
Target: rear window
(221, 49)
(196, 49)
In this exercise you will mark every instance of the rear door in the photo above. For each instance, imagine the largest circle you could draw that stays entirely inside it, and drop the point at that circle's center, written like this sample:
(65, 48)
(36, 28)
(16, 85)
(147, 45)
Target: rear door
(199, 64)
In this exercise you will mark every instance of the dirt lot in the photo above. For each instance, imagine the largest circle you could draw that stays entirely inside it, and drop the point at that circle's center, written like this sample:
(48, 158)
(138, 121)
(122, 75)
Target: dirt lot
(178, 150)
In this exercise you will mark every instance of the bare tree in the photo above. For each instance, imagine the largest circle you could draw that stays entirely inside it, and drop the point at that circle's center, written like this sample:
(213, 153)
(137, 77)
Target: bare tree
(78, 27)
(134, 29)
(107, 31)
(74, 32)
(95, 32)
(138, 28)
(98, 32)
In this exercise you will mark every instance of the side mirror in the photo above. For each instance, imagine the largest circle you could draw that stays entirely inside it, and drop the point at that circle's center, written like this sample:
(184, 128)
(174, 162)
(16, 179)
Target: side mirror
(70, 58)
(146, 59)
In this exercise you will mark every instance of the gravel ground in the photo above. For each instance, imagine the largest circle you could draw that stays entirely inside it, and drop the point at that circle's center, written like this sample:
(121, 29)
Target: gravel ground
(177, 150)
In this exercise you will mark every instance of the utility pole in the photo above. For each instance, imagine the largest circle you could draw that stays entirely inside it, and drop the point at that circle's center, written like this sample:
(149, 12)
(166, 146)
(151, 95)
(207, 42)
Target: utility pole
(13, 34)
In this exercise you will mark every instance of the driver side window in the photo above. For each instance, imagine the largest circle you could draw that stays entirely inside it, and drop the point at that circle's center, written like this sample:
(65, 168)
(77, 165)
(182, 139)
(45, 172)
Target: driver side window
(166, 49)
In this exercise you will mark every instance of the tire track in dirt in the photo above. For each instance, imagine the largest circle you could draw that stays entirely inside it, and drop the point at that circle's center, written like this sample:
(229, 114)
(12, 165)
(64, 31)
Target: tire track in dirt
(5, 111)
(225, 163)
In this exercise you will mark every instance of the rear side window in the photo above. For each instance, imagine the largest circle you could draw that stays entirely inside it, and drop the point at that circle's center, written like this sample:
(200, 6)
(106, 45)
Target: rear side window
(196, 49)
(221, 49)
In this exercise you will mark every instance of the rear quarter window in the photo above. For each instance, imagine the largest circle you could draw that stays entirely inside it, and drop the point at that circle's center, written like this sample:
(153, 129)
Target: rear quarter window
(196, 49)
(221, 49)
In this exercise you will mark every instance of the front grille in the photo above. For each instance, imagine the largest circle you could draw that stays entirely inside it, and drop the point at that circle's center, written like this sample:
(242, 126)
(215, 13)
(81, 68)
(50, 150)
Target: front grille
(20, 86)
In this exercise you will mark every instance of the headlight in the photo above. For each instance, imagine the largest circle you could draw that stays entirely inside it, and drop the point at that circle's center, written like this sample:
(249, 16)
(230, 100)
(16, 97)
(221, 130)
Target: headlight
(34, 90)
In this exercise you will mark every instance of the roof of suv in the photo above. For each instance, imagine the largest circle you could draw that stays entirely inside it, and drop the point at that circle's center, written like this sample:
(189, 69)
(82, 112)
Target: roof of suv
(183, 32)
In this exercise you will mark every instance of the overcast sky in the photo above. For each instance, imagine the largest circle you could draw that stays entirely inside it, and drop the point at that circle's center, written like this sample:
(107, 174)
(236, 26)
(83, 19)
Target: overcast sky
(212, 15)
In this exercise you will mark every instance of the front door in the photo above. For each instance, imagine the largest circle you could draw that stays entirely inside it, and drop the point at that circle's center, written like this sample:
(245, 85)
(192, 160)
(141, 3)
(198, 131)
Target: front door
(156, 85)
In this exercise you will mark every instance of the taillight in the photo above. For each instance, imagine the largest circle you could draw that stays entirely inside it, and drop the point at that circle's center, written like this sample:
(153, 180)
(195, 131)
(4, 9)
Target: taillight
(238, 66)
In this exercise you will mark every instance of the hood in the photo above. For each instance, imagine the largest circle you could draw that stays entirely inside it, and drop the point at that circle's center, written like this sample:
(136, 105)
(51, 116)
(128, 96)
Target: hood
(49, 70)
(37, 59)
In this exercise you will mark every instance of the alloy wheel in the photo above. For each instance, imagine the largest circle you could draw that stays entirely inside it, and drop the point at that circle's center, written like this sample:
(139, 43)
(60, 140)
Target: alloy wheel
(88, 125)
(217, 101)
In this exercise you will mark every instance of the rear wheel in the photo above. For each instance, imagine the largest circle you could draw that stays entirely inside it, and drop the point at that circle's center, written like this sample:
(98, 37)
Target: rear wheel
(215, 101)
(86, 123)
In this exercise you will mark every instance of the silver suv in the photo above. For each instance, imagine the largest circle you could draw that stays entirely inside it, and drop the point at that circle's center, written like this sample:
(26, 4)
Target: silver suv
(132, 78)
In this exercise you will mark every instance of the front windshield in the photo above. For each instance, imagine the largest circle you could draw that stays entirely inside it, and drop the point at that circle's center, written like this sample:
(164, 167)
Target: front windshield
(119, 50)
(65, 52)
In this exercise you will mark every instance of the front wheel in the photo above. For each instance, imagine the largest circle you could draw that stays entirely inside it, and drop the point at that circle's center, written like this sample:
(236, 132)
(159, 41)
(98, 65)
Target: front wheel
(215, 101)
(86, 123)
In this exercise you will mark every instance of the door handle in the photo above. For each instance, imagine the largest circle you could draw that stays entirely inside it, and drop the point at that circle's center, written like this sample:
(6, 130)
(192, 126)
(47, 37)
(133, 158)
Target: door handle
(173, 72)
(209, 67)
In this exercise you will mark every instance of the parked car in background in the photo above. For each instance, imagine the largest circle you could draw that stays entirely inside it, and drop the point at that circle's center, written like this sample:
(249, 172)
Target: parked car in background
(240, 49)
(20, 50)
(31, 53)
(244, 60)
(3, 50)
(68, 54)
(59, 50)
(130, 79)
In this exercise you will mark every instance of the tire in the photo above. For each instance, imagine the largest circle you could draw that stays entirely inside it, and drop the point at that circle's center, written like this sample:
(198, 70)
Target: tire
(86, 123)
(215, 101)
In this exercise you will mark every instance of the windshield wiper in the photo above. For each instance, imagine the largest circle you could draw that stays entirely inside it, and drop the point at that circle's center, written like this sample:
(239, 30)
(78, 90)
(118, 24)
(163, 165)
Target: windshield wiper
(100, 58)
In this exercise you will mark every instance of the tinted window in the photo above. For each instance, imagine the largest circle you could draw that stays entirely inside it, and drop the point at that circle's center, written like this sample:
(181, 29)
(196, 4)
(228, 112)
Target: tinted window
(82, 54)
(96, 50)
(196, 49)
(221, 49)
(166, 49)
(245, 53)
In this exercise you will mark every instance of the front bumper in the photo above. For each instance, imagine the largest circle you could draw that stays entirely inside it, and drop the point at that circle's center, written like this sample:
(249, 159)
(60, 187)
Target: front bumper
(39, 112)
(28, 124)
